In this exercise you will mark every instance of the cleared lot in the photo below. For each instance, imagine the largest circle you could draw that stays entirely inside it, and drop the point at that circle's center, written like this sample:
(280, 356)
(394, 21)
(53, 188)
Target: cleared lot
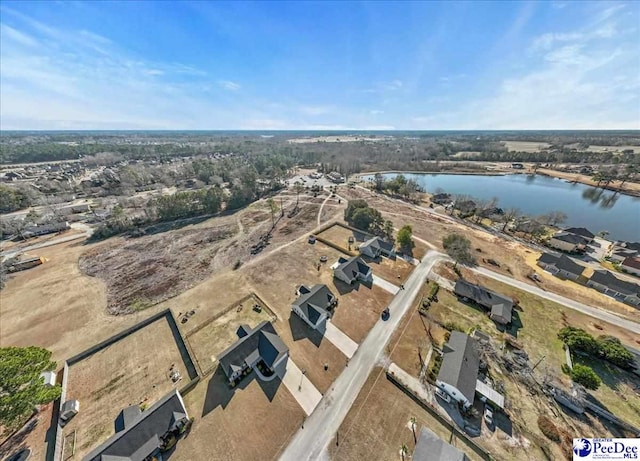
(133, 371)
(339, 236)
(253, 421)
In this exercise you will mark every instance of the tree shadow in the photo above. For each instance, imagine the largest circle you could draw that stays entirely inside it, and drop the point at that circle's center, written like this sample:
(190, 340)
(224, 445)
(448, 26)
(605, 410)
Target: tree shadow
(516, 324)
(300, 330)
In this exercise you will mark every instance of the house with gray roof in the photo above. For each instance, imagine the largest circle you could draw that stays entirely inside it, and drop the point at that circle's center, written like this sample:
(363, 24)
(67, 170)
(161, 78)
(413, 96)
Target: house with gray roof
(376, 247)
(611, 285)
(430, 447)
(352, 270)
(561, 266)
(44, 229)
(586, 234)
(255, 346)
(459, 370)
(568, 242)
(631, 265)
(499, 306)
(314, 305)
(140, 435)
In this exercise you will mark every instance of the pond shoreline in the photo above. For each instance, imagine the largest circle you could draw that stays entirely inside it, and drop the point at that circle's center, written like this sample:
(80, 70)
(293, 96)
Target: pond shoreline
(548, 173)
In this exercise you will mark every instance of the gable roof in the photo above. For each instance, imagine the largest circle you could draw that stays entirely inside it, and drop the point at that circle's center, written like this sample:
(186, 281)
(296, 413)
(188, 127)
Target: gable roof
(262, 341)
(430, 447)
(378, 244)
(141, 437)
(607, 279)
(460, 364)
(584, 232)
(569, 238)
(353, 267)
(313, 302)
(503, 310)
(631, 261)
(482, 295)
(562, 262)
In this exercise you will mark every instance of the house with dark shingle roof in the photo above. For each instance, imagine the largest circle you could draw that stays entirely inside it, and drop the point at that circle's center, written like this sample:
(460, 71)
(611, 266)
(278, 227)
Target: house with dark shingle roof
(376, 247)
(314, 305)
(352, 270)
(143, 434)
(565, 241)
(611, 285)
(260, 344)
(561, 266)
(586, 234)
(430, 447)
(459, 370)
(500, 306)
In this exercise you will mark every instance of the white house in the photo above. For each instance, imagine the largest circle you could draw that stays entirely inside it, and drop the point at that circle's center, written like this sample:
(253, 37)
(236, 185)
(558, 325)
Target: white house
(314, 305)
(459, 370)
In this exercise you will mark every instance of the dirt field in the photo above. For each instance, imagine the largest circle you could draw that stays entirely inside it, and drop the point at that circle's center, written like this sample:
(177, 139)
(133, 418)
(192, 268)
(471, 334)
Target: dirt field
(378, 424)
(525, 146)
(57, 307)
(255, 420)
(339, 236)
(207, 342)
(396, 271)
(132, 371)
(141, 272)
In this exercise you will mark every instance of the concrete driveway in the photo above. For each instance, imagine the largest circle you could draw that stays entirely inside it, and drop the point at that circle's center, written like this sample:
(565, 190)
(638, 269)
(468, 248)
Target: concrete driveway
(346, 345)
(301, 388)
(387, 286)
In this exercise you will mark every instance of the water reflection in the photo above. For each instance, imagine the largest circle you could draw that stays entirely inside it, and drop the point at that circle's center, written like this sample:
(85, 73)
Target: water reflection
(599, 196)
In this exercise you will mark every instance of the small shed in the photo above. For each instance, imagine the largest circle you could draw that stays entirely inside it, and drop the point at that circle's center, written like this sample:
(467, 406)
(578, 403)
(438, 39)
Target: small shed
(49, 378)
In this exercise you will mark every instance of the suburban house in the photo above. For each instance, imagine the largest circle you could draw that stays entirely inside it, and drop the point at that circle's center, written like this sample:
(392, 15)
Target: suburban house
(565, 241)
(314, 305)
(500, 306)
(561, 266)
(430, 447)
(352, 270)
(631, 265)
(586, 234)
(611, 285)
(255, 347)
(376, 247)
(459, 370)
(441, 198)
(141, 435)
(619, 254)
(32, 231)
(528, 226)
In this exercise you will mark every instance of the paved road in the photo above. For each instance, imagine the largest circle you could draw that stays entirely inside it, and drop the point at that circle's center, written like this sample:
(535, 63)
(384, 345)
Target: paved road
(311, 442)
(570, 303)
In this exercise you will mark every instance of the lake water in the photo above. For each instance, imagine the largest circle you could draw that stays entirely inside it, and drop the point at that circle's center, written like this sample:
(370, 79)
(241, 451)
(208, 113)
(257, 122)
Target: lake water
(585, 206)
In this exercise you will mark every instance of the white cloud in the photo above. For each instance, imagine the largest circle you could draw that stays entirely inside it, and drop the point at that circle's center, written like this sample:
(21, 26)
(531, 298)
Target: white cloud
(229, 85)
(9, 33)
(376, 112)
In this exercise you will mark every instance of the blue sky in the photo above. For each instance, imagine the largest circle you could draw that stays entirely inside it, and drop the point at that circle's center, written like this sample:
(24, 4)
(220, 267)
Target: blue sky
(293, 65)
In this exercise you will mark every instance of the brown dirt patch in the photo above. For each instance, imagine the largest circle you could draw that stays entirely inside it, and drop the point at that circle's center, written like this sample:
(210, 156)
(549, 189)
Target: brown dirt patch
(255, 420)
